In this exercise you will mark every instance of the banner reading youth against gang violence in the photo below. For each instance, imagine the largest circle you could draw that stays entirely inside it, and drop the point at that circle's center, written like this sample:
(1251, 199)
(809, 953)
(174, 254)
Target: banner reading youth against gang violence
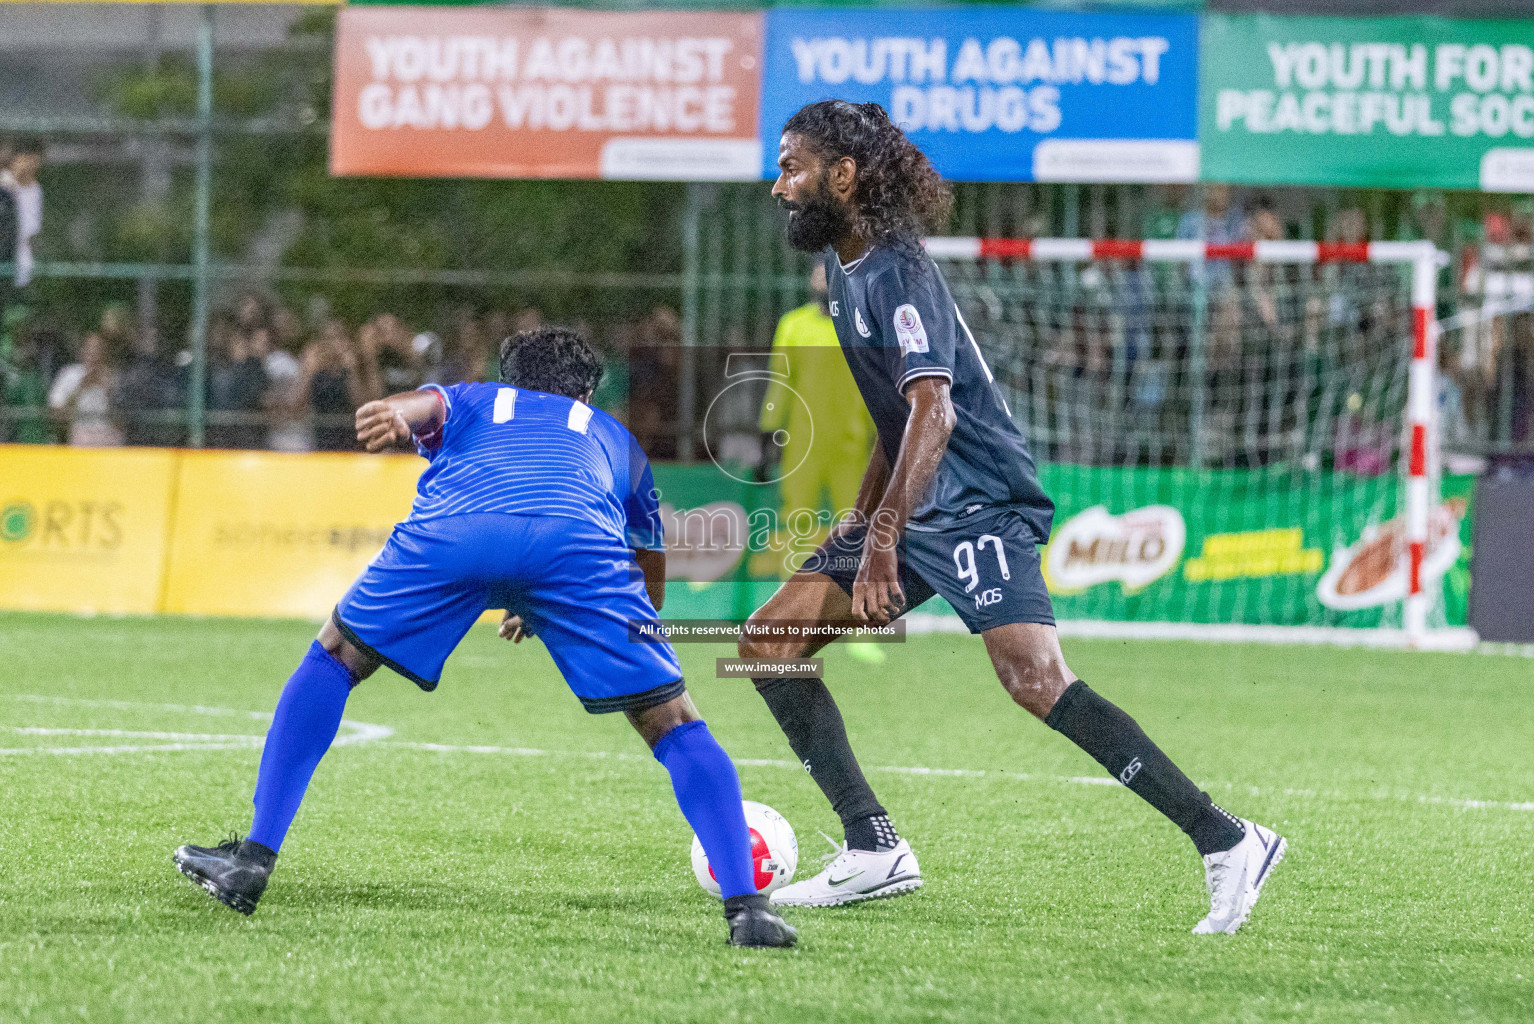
(992, 94)
(1387, 102)
(546, 93)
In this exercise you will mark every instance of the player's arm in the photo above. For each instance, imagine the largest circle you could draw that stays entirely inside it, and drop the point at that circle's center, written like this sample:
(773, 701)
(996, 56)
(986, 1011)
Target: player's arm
(398, 418)
(653, 565)
(645, 529)
(876, 594)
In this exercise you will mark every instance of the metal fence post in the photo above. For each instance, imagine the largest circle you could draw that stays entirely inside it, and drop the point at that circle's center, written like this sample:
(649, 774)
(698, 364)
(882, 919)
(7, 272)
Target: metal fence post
(686, 413)
(197, 393)
(1198, 342)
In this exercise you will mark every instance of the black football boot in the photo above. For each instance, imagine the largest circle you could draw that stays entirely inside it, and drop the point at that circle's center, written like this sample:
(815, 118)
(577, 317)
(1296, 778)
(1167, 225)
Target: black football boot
(752, 923)
(233, 872)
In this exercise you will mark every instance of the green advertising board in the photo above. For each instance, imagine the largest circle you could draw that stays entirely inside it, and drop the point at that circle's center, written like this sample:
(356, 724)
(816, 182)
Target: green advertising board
(1252, 547)
(1405, 102)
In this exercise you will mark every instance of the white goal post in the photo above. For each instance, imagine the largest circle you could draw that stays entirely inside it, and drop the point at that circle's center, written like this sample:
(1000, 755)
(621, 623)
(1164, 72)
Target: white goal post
(1418, 449)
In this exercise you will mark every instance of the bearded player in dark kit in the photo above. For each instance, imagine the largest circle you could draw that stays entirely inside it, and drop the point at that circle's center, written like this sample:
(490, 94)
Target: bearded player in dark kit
(950, 504)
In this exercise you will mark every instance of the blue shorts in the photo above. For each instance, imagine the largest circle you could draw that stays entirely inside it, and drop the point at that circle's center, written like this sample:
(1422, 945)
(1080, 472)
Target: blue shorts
(576, 587)
(986, 566)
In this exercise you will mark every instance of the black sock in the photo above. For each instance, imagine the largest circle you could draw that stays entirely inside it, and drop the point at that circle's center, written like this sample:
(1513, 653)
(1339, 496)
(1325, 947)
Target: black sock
(876, 833)
(1113, 739)
(809, 718)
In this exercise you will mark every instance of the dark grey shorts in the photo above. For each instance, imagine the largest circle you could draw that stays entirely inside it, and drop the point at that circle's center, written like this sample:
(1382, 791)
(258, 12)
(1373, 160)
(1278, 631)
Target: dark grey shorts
(987, 567)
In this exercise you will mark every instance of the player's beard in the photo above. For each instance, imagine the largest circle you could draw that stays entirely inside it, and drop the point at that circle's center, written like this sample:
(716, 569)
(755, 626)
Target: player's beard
(818, 219)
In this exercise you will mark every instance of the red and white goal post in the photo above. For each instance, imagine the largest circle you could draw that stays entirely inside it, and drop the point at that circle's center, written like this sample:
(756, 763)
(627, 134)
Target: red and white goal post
(1414, 419)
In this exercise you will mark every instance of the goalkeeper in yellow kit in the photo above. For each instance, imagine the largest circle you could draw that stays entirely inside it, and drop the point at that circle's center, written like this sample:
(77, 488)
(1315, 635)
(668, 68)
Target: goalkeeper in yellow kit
(822, 437)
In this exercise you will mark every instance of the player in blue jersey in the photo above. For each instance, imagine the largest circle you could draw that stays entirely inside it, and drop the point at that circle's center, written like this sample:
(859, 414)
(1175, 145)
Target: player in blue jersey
(535, 502)
(950, 505)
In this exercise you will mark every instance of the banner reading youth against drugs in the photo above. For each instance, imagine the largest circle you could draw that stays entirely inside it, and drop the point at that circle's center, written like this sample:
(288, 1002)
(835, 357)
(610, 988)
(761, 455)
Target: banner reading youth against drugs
(1386, 102)
(544, 93)
(1001, 95)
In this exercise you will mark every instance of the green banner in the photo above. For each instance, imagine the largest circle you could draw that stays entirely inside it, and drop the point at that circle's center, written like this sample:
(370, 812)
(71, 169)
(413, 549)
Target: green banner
(1254, 547)
(1405, 102)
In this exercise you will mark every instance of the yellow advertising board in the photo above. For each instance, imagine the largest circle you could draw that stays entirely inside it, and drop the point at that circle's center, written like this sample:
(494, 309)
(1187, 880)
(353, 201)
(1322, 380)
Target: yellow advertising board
(84, 530)
(266, 534)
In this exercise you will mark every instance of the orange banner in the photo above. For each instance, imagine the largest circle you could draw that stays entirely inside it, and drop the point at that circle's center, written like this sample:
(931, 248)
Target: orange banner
(547, 93)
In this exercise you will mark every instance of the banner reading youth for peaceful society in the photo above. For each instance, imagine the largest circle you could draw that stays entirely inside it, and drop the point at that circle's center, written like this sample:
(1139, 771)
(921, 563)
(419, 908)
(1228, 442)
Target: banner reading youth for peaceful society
(996, 94)
(526, 92)
(1388, 102)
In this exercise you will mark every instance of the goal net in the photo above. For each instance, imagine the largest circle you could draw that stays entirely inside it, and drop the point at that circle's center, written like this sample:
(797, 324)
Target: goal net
(1238, 438)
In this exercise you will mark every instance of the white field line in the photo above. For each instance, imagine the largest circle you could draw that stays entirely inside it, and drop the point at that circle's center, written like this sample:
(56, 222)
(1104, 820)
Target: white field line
(191, 737)
(1446, 639)
(137, 748)
(976, 773)
(363, 733)
(351, 732)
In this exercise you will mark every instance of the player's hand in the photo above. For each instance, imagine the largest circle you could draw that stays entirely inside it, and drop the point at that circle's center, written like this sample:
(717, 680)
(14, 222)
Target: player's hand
(876, 593)
(514, 629)
(380, 425)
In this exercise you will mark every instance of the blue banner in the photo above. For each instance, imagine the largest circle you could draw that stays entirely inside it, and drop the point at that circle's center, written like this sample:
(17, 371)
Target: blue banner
(996, 94)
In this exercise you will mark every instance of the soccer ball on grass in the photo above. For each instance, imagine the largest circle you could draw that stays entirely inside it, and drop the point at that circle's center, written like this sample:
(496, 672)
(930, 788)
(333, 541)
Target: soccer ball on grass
(774, 851)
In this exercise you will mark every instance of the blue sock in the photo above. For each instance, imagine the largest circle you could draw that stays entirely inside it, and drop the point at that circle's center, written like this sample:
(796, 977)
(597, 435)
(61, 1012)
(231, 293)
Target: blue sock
(708, 791)
(308, 715)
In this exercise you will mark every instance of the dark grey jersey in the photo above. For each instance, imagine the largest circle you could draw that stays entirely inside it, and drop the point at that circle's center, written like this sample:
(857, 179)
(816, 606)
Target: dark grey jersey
(897, 322)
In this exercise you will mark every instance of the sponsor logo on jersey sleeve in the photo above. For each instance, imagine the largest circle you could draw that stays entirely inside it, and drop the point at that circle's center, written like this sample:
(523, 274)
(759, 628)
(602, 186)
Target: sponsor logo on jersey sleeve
(908, 329)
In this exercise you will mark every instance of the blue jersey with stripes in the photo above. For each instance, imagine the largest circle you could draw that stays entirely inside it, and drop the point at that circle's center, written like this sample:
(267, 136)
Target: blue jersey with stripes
(522, 452)
(897, 323)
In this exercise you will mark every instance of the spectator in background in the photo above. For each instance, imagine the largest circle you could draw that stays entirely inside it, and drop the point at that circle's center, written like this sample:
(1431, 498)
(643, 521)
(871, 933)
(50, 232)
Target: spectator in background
(1220, 221)
(612, 393)
(1349, 283)
(654, 376)
(19, 179)
(285, 401)
(1163, 215)
(1454, 427)
(287, 330)
(400, 365)
(82, 397)
(500, 325)
(331, 388)
(1265, 226)
(10, 224)
(148, 386)
(24, 386)
(467, 352)
(249, 312)
(118, 329)
(1427, 218)
(236, 385)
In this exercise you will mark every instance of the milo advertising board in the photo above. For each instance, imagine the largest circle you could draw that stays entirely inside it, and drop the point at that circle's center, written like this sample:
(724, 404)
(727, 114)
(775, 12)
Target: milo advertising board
(1244, 547)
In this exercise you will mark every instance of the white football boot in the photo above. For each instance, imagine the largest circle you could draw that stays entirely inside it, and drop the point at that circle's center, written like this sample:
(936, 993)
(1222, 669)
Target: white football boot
(855, 875)
(1235, 878)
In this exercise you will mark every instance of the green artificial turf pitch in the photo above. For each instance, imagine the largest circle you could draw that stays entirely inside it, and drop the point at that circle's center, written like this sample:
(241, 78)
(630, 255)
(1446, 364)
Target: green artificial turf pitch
(548, 878)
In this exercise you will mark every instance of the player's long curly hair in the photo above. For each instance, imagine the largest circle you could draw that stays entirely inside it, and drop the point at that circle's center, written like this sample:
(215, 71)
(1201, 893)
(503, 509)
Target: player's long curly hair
(899, 196)
(552, 359)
